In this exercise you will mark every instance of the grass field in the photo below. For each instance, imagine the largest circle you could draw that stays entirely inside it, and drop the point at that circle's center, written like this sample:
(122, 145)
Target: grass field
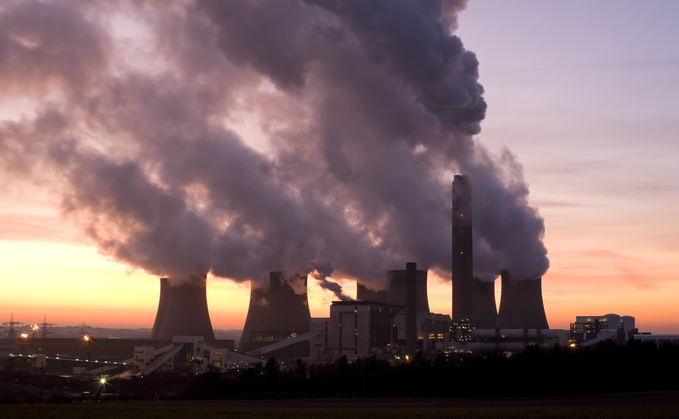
(622, 406)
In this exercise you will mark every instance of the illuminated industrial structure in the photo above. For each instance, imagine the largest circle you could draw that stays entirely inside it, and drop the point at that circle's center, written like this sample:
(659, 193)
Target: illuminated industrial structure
(588, 330)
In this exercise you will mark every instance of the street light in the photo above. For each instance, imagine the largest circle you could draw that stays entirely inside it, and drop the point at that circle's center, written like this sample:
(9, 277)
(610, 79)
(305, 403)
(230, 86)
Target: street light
(86, 338)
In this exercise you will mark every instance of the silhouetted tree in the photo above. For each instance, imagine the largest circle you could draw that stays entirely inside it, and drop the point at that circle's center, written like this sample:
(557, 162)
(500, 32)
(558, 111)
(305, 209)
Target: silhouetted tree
(272, 371)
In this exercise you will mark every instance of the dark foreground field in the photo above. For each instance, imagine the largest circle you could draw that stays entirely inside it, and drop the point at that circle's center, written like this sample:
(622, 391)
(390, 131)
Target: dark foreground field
(645, 405)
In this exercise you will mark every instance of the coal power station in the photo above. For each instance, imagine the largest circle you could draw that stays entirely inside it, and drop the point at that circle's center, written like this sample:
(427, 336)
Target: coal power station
(395, 320)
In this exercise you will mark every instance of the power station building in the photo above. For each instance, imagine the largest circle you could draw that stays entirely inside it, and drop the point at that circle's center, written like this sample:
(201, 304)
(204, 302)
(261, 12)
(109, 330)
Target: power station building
(395, 320)
(588, 330)
(366, 328)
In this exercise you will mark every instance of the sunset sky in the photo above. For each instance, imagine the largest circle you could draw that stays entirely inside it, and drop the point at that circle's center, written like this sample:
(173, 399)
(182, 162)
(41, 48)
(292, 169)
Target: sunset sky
(584, 94)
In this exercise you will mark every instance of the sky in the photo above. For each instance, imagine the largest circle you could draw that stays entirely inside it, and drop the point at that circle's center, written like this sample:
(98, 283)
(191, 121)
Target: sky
(582, 94)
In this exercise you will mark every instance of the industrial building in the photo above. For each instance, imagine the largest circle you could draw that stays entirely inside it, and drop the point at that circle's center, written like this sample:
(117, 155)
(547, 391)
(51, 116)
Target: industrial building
(358, 328)
(86, 356)
(588, 330)
(366, 328)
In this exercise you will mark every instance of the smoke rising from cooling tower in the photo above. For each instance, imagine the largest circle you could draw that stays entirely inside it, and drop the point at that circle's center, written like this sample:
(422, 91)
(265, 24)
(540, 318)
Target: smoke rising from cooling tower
(242, 144)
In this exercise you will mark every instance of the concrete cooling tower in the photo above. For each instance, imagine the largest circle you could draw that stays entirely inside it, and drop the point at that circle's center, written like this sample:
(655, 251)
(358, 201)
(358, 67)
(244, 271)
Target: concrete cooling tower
(276, 314)
(288, 304)
(259, 303)
(162, 307)
(186, 311)
(463, 261)
(363, 293)
(484, 314)
(521, 305)
(396, 289)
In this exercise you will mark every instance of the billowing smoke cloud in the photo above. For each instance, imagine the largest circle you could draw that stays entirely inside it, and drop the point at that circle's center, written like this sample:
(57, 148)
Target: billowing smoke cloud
(254, 136)
(321, 271)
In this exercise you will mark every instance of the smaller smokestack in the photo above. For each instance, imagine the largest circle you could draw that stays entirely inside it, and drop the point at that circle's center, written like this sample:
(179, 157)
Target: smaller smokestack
(521, 305)
(363, 293)
(484, 308)
(396, 289)
(187, 312)
(411, 307)
(162, 307)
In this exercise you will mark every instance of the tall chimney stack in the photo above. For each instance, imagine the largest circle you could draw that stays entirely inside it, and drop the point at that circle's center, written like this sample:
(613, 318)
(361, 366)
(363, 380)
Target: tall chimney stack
(463, 261)
(187, 312)
(411, 307)
(521, 305)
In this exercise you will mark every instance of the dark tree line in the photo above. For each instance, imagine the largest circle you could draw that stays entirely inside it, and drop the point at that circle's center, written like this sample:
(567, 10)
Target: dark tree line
(558, 371)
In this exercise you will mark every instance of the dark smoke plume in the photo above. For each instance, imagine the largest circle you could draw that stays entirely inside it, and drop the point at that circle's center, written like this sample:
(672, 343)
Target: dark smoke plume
(242, 137)
(321, 271)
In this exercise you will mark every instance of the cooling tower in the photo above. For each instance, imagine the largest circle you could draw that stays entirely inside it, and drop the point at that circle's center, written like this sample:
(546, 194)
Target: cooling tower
(521, 305)
(396, 289)
(363, 293)
(484, 315)
(288, 304)
(628, 323)
(259, 302)
(162, 307)
(463, 263)
(186, 311)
